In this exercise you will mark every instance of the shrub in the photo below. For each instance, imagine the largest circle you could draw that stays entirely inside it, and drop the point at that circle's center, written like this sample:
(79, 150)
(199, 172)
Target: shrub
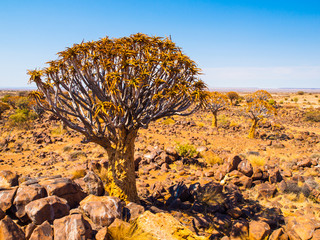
(3, 107)
(281, 102)
(272, 102)
(76, 154)
(212, 158)
(22, 103)
(300, 92)
(79, 173)
(168, 121)
(186, 150)
(22, 117)
(256, 161)
(296, 99)
(313, 116)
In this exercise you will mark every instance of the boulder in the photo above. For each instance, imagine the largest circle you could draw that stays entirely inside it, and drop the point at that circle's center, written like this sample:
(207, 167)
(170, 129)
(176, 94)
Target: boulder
(279, 234)
(64, 188)
(258, 230)
(102, 210)
(134, 210)
(8, 179)
(25, 195)
(120, 229)
(305, 163)
(266, 190)
(304, 226)
(102, 234)
(275, 176)
(246, 168)
(6, 198)
(47, 209)
(43, 232)
(2, 214)
(239, 230)
(180, 190)
(94, 184)
(9, 230)
(164, 226)
(72, 227)
(233, 163)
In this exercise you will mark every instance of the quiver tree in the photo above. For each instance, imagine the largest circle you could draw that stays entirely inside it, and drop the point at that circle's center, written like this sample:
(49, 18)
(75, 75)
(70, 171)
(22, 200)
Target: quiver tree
(233, 96)
(110, 88)
(216, 102)
(262, 95)
(258, 108)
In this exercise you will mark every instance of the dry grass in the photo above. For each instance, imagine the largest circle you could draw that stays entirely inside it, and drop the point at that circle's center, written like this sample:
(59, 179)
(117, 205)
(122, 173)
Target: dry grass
(256, 161)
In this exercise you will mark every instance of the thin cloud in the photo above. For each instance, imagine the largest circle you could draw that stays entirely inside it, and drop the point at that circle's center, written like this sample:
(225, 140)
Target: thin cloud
(289, 76)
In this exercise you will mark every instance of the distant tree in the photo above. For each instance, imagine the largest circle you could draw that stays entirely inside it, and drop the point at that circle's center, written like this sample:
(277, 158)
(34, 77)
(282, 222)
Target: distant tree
(260, 94)
(233, 96)
(109, 89)
(216, 102)
(258, 107)
(3, 107)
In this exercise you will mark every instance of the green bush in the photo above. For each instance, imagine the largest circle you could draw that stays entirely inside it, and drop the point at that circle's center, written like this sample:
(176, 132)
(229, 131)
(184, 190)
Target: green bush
(22, 103)
(186, 150)
(300, 92)
(272, 102)
(22, 116)
(313, 116)
(296, 99)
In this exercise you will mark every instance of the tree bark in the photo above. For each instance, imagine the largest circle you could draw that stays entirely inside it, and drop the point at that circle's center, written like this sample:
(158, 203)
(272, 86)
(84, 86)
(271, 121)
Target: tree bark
(121, 165)
(252, 132)
(214, 120)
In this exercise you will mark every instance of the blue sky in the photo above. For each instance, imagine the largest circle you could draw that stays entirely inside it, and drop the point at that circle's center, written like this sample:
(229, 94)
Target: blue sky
(237, 43)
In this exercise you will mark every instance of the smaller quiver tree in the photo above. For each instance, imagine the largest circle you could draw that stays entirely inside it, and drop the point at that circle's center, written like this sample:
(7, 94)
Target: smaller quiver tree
(233, 96)
(216, 102)
(109, 89)
(258, 108)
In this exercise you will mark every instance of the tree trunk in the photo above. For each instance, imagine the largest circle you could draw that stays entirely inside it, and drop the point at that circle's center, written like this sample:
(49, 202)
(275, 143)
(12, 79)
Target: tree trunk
(253, 128)
(122, 181)
(214, 120)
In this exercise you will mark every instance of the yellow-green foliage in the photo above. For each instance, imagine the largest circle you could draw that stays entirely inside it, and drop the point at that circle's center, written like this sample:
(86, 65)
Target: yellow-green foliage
(168, 121)
(200, 124)
(58, 131)
(312, 116)
(212, 158)
(110, 185)
(223, 120)
(256, 161)
(126, 232)
(79, 173)
(21, 117)
(186, 150)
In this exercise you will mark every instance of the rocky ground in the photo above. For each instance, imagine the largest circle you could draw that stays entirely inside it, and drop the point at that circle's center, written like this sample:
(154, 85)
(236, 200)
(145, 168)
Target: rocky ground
(194, 181)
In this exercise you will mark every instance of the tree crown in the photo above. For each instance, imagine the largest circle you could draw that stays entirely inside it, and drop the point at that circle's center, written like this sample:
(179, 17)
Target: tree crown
(119, 83)
(216, 101)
